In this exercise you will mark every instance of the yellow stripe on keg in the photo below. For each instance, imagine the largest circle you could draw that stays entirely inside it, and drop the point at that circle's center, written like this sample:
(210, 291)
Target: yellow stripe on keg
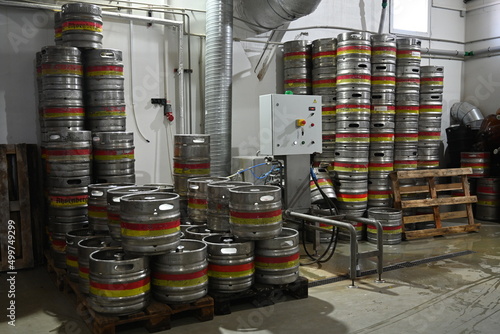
(374, 230)
(379, 196)
(71, 263)
(148, 233)
(323, 183)
(235, 274)
(180, 284)
(255, 218)
(119, 293)
(488, 203)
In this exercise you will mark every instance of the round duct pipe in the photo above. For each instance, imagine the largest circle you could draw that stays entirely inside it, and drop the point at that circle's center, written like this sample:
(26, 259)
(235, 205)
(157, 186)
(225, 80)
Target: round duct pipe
(465, 113)
(264, 15)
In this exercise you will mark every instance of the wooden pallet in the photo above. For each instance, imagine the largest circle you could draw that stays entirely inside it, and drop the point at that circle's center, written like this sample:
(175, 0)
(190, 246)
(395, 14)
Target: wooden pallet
(260, 295)
(58, 275)
(432, 189)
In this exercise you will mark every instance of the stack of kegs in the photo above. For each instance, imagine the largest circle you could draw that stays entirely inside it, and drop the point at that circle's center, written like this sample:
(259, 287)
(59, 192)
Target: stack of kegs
(382, 120)
(324, 82)
(113, 157)
(352, 140)
(297, 67)
(407, 103)
(429, 122)
(67, 157)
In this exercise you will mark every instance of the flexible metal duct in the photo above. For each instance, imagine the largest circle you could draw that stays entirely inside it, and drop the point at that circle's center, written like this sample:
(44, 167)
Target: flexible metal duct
(218, 80)
(465, 113)
(264, 15)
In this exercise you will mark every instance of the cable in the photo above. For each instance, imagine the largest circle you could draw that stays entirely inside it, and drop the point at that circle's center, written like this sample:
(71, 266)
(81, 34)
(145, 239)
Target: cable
(247, 169)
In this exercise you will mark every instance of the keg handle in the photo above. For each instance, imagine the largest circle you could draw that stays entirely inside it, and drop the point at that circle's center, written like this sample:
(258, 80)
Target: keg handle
(287, 243)
(229, 251)
(119, 256)
(179, 249)
(107, 54)
(198, 140)
(97, 193)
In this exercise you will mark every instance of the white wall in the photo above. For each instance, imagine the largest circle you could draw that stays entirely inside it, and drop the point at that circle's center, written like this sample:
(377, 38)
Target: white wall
(482, 75)
(154, 58)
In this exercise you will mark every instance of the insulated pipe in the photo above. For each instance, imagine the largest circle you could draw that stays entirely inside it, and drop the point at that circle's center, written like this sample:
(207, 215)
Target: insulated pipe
(182, 126)
(218, 84)
(449, 53)
(382, 16)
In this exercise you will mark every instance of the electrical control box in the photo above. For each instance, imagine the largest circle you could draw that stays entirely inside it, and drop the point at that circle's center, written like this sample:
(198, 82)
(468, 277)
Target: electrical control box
(290, 124)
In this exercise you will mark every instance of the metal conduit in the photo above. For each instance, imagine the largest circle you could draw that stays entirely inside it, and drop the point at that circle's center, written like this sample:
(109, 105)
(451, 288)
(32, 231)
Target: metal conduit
(218, 83)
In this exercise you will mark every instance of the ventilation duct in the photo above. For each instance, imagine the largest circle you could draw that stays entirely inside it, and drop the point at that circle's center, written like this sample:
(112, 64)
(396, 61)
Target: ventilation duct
(218, 81)
(466, 114)
(264, 15)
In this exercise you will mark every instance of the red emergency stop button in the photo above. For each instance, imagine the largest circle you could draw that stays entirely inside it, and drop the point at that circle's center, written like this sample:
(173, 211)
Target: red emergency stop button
(301, 122)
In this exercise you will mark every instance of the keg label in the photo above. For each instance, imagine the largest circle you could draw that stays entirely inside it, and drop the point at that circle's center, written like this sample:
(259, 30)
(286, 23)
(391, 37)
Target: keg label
(409, 54)
(81, 25)
(321, 182)
(345, 167)
(150, 230)
(328, 110)
(378, 137)
(432, 81)
(71, 261)
(327, 83)
(255, 218)
(433, 108)
(325, 54)
(279, 262)
(58, 245)
(114, 218)
(97, 211)
(180, 280)
(384, 51)
(383, 109)
(197, 203)
(379, 194)
(61, 69)
(407, 109)
(60, 201)
(352, 197)
(191, 168)
(390, 80)
(387, 167)
(62, 112)
(107, 112)
(363, 49)
(83, 272)
(109, 155)
(120, 289)
(355, 78)
(236, 271)
(296, 56)
(298, 83)
(386, 229)
(93, 71)
(429, 135)
(353, 108)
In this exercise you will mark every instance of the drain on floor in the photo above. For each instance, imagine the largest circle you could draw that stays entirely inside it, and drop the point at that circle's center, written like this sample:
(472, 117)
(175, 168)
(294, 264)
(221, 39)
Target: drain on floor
(391, 267)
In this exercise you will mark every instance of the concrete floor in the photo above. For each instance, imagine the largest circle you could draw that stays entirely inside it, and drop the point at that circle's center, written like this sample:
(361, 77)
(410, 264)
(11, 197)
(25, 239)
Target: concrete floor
(457, 295)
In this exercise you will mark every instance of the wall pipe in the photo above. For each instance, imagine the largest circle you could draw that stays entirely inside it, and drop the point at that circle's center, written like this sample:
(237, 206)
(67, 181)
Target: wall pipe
(182, 126)
(382, 16)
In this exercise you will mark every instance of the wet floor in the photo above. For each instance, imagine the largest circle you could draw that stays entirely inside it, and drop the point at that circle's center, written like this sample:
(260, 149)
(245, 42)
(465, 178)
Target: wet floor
(454, 295)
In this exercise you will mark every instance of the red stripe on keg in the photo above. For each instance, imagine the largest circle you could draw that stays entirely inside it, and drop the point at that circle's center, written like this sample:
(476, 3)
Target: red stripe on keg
(297, 81)
(97, 208)
(121, 285)
(412, 135)
(379, 192)
(407, 51)
(407, 107)
(475, 155)
(383, 48)
(277, 259)
(104, 68)
(197, 201)
(328, 137)
(341, 195)
(326, 81)
(381, 165)
(324, 53)
(113, 152)
(59, 243)
(356, 76)
(289, 54)
(405, 162)
(388, 135)
(64, 111)
(231, 269)
(180, 277)
(87, 23)
(342, 164)
(340, 106)
(354, 47)
(328, 108)
(433, 134)
(150, 226)
(353, 135)
(486, 190)
(52, 66)
(435, 106)
(438, 79)
(69, 152)
(84, 270)
(267, 214)
(399, 80)
(191, 166)
(386, 78)
(72, 257)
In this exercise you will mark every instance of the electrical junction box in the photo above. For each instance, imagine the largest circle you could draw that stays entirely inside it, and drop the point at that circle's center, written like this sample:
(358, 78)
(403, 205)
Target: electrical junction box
(290, 124)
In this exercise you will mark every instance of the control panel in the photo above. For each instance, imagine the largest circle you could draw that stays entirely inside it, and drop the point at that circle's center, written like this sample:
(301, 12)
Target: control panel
(290, 124)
